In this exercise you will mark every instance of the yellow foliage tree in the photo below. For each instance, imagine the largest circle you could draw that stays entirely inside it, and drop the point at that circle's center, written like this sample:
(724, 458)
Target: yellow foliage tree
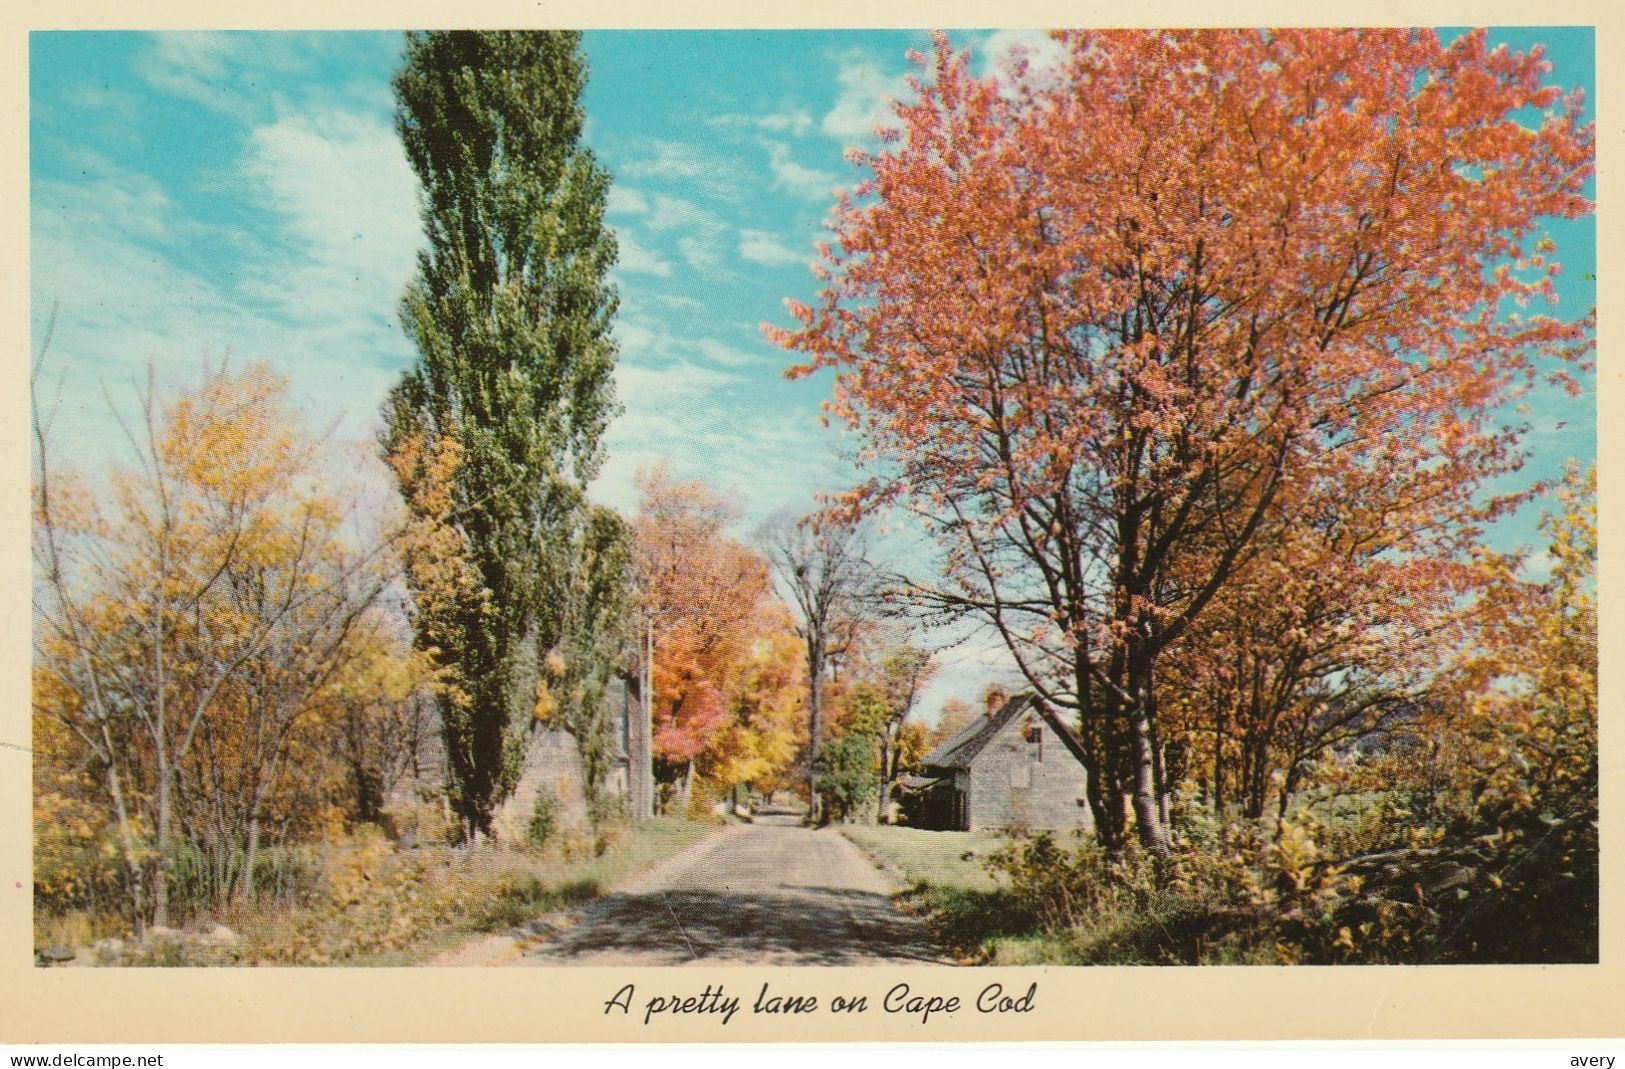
(191, 624)
(767, 727)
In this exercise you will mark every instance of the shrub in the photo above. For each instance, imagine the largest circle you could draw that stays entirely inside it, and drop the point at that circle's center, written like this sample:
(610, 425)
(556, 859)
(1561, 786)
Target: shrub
(848, 775)
(78, 865)
(544, 820)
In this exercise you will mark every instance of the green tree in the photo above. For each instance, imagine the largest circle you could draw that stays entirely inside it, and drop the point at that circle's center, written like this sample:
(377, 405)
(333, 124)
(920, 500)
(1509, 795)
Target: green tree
(596, 576)
(511, 312)
(848, 770)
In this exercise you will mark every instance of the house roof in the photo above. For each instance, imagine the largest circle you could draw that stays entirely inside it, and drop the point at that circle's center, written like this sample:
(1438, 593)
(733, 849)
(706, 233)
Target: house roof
(960, 750)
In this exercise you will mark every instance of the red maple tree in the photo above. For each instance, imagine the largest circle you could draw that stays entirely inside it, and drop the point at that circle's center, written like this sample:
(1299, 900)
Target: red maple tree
(1110, 332)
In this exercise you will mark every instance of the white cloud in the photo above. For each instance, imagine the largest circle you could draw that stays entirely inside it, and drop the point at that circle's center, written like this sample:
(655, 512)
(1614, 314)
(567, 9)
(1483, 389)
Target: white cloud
(794, 121)
(231, 72)
(193, 66)
(668, 160)
(702, 254)
(129, 202)
(638, 259)
(790, 174)
(867, 90)
(697, 231)
(770, 463)
(672, 379)
(314, 292)
(1040, 49)
(102, 256)
(624, 200)
(633, 336)
(348, 202)
(100, 98)
(964, 670)
(675, 213)
(767, 249)
(704, 405)
(1043, 56)
(723, 353)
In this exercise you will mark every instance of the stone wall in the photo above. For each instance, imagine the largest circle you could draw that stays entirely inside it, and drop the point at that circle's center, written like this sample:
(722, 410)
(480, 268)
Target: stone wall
(553, 764)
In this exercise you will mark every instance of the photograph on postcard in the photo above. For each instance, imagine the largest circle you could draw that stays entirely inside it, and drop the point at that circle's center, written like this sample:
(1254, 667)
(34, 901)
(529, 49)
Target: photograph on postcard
(815, 497)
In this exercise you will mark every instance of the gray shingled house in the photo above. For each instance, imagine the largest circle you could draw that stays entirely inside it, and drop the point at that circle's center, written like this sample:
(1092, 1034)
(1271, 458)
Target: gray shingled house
(1018, 768)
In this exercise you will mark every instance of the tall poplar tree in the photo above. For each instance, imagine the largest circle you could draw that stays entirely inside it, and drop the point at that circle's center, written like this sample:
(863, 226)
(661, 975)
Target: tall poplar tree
(511, 311)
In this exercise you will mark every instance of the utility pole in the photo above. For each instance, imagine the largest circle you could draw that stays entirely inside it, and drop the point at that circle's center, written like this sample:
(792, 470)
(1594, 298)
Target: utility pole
(640, 731)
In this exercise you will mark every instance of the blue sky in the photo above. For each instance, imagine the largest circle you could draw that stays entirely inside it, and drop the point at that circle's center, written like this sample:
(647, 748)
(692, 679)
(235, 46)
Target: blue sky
(205, 194)
(244, 194)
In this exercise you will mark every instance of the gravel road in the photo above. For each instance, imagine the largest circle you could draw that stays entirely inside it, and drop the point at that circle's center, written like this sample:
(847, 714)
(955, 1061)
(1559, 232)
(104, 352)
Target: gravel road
(760, 894)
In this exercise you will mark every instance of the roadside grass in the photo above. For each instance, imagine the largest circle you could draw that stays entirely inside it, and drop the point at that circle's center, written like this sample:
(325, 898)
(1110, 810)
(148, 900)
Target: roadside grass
(969, 910)
(383, 906)
(1178, 933)
(655, 841)
(978, 917)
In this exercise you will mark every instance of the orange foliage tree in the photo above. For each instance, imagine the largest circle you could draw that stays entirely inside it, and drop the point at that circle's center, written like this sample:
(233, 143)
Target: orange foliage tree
(707, 594)
(1328, 633)
(1104, 332)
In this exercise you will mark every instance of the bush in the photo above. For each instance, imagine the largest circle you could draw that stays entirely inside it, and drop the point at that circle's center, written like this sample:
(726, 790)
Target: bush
(605, 812)
(848, 776)
(1224, 898)
(544, 820)
(202, 878)
(79, 867)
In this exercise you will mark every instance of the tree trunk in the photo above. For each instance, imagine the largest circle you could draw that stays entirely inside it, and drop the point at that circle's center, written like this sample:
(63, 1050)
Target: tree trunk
(1159, 766)
(888, 757)
(1108, 803)
(160, 896)
(1257, 782)
(132, 852)
(250, 892)
(1147, 815)
(1103, 806)
(160, 891)
(1289, 786)
(815, 701)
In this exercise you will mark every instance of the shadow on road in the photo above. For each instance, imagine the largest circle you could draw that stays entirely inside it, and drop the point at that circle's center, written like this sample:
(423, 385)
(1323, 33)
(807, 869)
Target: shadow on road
(803, 926)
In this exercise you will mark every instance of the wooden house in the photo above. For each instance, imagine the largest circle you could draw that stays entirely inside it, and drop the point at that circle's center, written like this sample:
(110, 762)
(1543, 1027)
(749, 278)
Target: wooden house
(1018, 767)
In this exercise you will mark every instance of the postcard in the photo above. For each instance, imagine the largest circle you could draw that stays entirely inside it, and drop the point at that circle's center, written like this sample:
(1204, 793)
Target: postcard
(927, 525)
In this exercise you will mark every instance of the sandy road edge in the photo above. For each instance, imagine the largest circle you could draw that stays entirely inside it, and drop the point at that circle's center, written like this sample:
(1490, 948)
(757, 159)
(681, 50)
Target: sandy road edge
(893, 874)
(902, 884)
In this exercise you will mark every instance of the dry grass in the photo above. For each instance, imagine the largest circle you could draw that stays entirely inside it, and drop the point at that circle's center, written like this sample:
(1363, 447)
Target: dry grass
(380, 905)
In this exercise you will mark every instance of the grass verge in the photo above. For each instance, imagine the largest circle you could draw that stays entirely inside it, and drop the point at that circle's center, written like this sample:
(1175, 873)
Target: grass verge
(965, 907)
(384, 906)
(976, 915)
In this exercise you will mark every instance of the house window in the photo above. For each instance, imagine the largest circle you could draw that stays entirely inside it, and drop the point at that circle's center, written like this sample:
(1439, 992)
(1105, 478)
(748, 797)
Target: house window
(1034, 735)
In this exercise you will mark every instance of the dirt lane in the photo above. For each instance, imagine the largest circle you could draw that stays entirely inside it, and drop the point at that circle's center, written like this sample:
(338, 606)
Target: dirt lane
(760, 895)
